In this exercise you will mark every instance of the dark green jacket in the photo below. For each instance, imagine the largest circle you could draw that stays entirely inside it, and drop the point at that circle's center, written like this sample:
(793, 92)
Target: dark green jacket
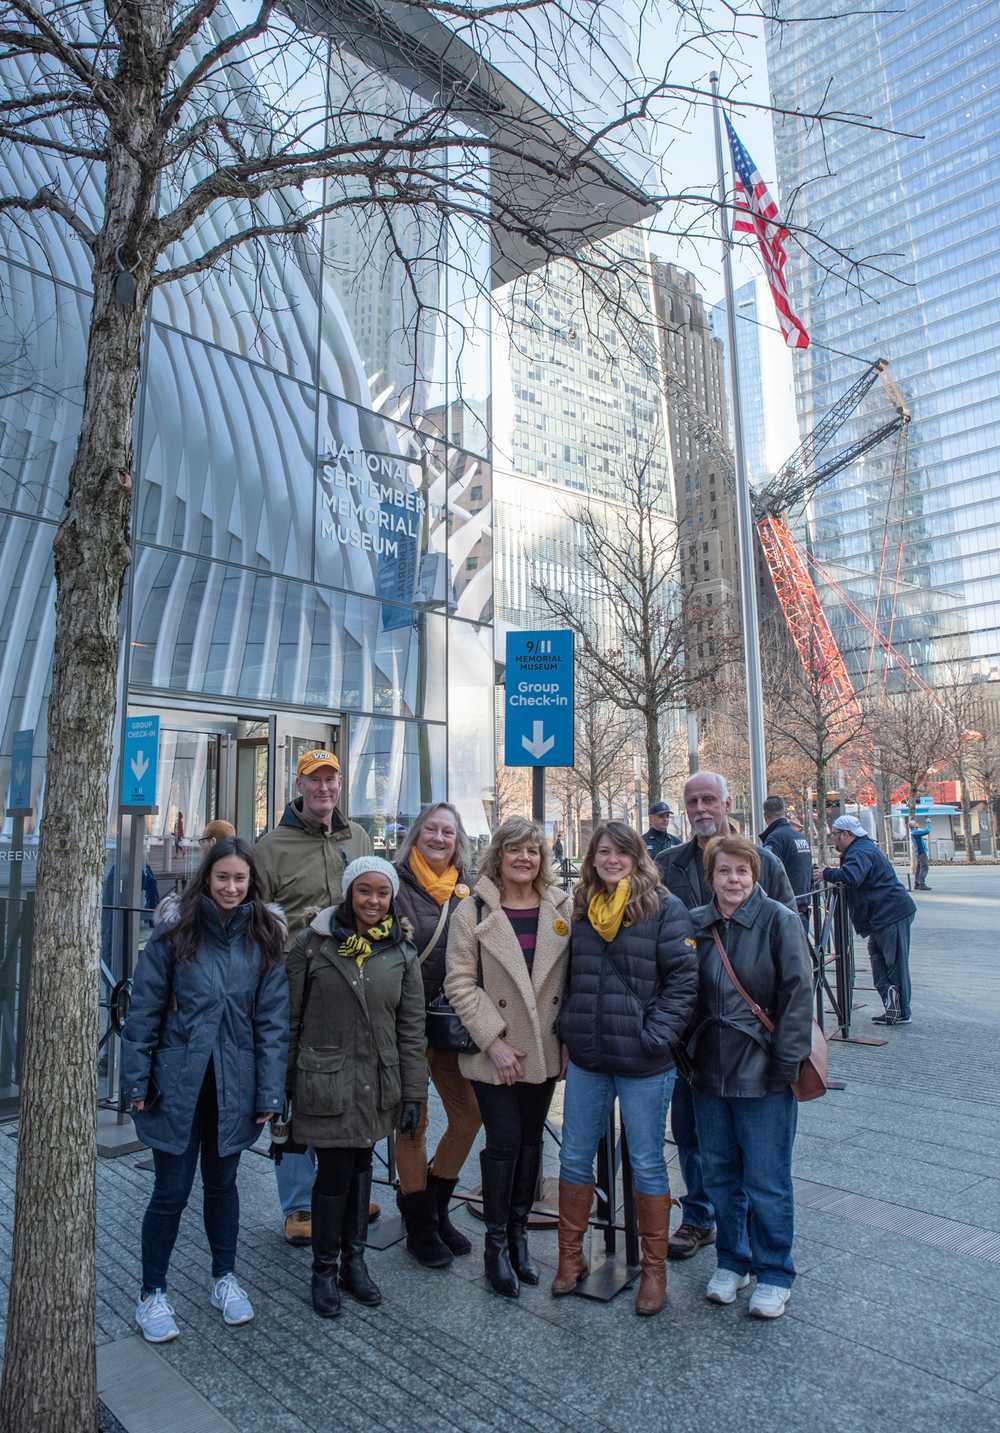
(302, 867)
(357, 1043)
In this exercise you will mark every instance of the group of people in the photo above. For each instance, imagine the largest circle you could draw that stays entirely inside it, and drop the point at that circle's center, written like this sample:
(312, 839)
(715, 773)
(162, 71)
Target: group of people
(307, 976)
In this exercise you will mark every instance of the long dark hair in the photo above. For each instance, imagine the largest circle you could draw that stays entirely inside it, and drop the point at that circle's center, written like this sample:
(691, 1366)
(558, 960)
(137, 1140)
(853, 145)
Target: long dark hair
(647, 887)
(263, 930)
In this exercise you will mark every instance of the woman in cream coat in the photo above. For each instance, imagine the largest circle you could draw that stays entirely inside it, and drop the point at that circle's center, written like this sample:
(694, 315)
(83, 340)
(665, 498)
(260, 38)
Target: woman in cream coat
(508, 947)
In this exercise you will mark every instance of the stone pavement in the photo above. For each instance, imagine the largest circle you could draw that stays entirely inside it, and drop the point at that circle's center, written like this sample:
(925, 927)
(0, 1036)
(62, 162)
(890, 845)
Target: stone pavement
(894, 1323)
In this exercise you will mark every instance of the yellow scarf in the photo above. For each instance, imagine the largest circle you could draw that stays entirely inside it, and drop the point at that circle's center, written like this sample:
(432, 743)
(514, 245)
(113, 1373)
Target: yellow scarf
(439, 888)
(605, 912)
(359, 947)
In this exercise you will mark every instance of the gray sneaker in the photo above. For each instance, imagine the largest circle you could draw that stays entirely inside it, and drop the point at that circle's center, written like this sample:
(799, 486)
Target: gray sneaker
(232, 1300)
(155, 1317)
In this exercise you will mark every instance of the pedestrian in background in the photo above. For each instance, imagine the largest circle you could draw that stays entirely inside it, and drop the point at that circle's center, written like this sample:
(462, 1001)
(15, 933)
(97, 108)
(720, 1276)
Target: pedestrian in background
(708, 804)
(631, 994)
(506, 972)
(203, 1066)
(882, 909)
(918, 835)
(744, 1107)
(657, 837)
(215, 831)
(433, 868)
(792, 848)
(302, 864)
(356, 1064)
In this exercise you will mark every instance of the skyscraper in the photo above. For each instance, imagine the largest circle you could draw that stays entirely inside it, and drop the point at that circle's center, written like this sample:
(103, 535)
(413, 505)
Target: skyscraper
(927, 209)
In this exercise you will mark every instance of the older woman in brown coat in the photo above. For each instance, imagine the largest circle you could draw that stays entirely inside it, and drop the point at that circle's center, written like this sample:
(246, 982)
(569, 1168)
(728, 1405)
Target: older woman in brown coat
(506, 972)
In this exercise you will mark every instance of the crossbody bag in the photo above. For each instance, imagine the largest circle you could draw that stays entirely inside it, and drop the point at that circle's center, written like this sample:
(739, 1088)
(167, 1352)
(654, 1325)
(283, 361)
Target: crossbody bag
(813, 1079)
(444, 1029)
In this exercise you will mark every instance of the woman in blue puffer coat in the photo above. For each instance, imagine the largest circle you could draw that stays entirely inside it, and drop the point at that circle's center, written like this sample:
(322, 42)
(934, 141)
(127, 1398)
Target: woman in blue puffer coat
(204, 1050)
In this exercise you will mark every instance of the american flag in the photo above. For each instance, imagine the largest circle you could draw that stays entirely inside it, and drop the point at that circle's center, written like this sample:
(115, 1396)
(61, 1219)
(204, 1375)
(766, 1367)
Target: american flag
(757, 214)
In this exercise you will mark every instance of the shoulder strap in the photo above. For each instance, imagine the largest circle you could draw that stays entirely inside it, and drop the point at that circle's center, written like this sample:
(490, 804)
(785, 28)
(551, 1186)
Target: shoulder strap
(442, 917)
(764, 1019)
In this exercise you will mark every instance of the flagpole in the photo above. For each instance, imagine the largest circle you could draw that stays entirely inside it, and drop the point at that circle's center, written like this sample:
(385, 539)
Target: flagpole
(744, 519)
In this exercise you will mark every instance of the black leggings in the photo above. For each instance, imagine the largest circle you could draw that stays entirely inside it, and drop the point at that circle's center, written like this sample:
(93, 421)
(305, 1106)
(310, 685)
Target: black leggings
(335, 1168)
(513, 1115)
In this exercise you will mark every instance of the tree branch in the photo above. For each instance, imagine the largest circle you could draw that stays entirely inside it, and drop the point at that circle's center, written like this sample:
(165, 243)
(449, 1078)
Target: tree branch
(48, 198)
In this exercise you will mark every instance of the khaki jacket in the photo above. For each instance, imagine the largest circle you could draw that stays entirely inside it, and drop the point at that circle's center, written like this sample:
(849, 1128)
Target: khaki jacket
(302, 867)
(523, 1009)
(357, 1041)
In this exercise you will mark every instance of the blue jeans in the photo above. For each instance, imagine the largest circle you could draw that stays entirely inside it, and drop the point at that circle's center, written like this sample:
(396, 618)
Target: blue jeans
(174, 1179)
(889, 951)
(746, 1155)
(696, 1207)
(643, 1100)
(295, 1175)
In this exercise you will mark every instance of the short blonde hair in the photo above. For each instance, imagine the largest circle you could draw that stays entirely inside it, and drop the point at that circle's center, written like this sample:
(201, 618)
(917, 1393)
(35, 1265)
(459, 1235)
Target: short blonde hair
(738, 847)
(518, 831)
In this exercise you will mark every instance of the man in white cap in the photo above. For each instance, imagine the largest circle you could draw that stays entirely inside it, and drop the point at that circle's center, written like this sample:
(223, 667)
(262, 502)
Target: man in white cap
(301, 865)
(881, 908)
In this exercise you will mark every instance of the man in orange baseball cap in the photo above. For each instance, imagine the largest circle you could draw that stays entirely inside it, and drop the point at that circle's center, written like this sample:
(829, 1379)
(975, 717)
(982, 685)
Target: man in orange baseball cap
(301, 864)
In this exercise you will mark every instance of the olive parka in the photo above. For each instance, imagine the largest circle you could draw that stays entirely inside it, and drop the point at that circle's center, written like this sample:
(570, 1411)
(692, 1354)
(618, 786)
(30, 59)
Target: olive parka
(302, 865)
(730, 1049)
(219, 1007)
(357, 1043)
(629, 1001)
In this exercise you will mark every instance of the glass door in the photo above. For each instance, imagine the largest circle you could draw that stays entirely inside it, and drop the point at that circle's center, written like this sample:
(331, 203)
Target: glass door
(293, 736)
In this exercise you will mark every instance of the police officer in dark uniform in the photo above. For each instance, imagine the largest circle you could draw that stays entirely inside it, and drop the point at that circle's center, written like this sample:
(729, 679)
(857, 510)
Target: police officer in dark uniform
(658, 837)
(792, 848)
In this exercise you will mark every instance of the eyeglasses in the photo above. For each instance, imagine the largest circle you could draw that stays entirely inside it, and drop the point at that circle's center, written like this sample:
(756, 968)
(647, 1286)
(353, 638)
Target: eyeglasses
(204, 840)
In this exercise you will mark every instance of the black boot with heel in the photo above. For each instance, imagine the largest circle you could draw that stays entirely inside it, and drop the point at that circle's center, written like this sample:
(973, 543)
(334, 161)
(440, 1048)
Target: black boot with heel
(354, 1276)
(529, 1162)
(498, 1179)
(328, 1212)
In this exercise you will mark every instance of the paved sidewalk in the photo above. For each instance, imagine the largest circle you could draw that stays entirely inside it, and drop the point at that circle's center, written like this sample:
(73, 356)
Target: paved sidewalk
(894, 1323)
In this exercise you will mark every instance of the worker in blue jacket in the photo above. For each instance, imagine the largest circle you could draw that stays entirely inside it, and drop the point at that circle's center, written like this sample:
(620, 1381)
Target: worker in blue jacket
(881, 908)
(918, 835)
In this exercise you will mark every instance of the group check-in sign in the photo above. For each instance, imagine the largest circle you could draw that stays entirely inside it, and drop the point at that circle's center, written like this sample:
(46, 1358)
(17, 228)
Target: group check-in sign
(538, 699)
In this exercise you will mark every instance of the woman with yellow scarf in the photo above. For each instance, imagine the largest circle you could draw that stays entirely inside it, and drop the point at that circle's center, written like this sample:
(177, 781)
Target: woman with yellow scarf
(432, 866)
(632, 990)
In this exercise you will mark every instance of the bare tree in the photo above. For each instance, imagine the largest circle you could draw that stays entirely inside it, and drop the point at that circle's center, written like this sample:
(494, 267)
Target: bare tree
(908, 733)
(983, 764)
(513, 793)
(806, 710)
(959, 697)
(627, 565)
(604, 737)
(214, 151)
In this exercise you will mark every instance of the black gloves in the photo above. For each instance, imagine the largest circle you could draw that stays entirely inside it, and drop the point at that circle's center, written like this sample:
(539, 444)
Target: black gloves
(410, 1117)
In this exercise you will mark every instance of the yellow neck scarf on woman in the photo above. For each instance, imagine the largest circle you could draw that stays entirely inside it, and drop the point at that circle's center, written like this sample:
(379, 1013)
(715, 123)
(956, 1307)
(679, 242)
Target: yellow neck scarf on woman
(439, 888)
(605, 912)
(359, 947)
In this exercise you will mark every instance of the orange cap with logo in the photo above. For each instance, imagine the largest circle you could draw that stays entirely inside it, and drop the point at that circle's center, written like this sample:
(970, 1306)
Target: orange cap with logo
(311, 761)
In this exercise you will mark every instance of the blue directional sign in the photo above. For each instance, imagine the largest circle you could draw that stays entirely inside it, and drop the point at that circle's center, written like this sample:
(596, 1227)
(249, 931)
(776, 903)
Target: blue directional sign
(20, 770)
(538, 699)
(140, 757)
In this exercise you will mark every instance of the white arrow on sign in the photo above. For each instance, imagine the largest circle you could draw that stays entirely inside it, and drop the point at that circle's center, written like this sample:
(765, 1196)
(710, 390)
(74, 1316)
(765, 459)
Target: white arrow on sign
(539, 743)
(139, 766)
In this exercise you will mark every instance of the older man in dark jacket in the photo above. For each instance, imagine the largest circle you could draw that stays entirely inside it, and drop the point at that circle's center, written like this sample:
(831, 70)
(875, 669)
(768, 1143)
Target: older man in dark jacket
(882, 909)
(707, 803)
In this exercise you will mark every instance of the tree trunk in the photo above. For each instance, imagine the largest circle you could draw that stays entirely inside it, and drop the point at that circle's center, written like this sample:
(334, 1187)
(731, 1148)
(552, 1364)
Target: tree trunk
(653, 765)
(970, 851)
(49, 1383)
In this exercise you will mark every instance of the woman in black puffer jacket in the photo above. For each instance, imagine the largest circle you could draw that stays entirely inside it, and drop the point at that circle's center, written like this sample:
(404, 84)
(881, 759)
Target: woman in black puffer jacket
(632, 988)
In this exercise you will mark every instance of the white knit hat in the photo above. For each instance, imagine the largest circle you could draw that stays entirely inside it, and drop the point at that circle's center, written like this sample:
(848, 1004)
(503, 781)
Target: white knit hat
(363, 865)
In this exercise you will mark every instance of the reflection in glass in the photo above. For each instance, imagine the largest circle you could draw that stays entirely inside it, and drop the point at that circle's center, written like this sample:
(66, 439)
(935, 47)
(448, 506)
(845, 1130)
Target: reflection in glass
(396, 767)
(470, 724)
(27, 628)
(200, 626)
(42, 359)
(470, 536)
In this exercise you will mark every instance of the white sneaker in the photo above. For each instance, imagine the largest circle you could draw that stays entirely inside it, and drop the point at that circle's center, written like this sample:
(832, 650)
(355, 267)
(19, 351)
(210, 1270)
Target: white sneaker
(768, 1301)
(232, 1300)
(155, 1317)
(724, 1285)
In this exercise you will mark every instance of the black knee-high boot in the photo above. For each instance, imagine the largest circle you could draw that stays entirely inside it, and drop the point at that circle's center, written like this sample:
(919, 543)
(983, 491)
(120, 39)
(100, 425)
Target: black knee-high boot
(328, 1212)
(529, 1161)
(354, 1275)
(498, 1177)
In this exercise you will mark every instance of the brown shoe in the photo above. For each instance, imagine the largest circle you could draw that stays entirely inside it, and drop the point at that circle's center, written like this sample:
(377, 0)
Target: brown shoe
(574, 1215)
(374, 1210)
(653, 1217)
(687, 1239)
(299, 1228)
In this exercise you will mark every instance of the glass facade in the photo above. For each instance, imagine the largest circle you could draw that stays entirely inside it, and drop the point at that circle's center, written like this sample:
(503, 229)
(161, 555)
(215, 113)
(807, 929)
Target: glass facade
(928, 207)
(313, 515)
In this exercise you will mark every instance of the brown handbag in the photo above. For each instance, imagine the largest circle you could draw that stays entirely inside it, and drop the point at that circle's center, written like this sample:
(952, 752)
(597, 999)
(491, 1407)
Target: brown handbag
(813, 1080)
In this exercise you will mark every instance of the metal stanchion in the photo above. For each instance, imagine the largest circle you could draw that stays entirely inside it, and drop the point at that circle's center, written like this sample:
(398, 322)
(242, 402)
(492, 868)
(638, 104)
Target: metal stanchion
(839, 926)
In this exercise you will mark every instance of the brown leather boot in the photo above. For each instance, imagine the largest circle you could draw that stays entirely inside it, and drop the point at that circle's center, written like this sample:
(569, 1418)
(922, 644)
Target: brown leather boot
(653, 1217)
(574, 1214)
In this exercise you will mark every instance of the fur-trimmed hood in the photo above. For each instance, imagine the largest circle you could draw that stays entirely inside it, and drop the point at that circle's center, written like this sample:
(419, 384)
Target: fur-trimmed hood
(323, 922)
(167, 914)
